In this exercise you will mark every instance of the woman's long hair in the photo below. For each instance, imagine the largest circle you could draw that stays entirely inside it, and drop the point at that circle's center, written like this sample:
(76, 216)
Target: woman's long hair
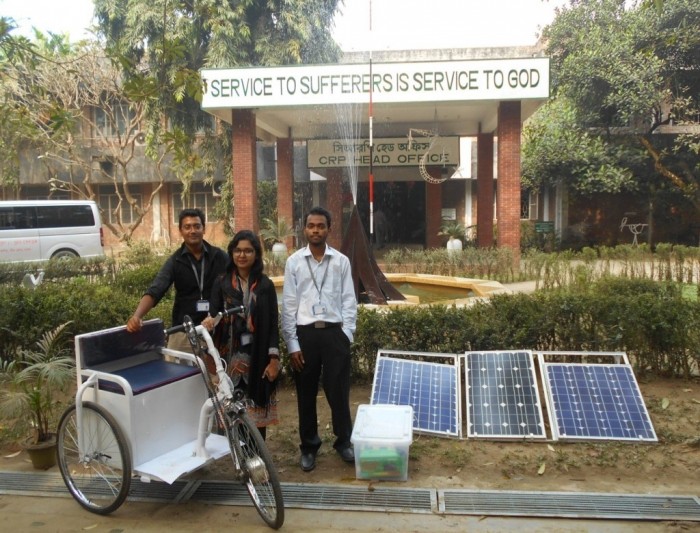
(246, 235)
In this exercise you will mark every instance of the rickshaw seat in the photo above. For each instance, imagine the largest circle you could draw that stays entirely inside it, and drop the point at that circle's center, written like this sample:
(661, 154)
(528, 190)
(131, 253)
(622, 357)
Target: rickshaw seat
(134, 356)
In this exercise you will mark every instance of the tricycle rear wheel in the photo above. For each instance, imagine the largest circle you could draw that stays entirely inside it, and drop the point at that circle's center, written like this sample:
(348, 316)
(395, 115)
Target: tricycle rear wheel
(99, 479)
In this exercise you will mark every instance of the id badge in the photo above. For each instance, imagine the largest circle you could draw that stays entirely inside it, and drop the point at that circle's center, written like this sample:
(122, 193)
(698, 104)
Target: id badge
(246, 339)
(318, 309)
(202, 306)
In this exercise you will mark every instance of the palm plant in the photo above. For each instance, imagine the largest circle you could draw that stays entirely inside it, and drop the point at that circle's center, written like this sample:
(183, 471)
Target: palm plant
(274, 231)
(32, 380)
(453, 230)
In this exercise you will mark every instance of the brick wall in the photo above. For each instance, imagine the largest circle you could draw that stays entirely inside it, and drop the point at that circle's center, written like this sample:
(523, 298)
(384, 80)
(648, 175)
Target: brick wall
(285, 183)
(508, 201)
(245, 185)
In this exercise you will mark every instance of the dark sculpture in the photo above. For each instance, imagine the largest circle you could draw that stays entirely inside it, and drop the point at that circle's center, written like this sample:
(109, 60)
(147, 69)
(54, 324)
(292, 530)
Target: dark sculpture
(371, 286)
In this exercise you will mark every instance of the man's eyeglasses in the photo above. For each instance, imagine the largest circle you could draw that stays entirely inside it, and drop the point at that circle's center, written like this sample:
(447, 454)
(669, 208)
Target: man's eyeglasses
(245, 251)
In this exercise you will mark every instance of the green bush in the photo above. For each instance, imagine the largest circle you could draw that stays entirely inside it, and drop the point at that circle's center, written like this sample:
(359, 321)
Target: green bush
(26, 313)
(484, 263)
(137, 279)
(58, 269)
(651, 321)
(582, 308)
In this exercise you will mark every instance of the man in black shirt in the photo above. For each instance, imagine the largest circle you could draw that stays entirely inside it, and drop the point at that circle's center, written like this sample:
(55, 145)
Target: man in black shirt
(193, 269)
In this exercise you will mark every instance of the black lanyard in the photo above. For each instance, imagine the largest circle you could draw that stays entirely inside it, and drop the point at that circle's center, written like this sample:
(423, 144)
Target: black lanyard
(200, 281)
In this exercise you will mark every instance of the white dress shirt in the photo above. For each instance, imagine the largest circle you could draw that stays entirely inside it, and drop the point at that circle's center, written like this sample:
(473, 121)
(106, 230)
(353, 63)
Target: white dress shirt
(327, 295)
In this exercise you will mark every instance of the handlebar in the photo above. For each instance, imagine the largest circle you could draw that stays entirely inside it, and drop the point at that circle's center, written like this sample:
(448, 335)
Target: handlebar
(188, 321)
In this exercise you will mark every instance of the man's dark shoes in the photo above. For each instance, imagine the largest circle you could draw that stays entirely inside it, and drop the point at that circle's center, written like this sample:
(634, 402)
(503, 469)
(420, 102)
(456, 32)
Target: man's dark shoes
(308, 461)
(347, 454)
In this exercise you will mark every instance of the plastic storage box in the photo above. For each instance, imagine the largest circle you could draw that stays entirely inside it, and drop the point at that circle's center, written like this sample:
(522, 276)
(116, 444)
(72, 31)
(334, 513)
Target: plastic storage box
(382, 435)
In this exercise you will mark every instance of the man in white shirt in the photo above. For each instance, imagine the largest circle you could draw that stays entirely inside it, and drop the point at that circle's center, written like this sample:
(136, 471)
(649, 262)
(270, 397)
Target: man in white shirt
(319, 313)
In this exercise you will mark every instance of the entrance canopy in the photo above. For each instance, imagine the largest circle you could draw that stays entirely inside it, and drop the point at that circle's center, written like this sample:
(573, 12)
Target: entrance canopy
(453, 97)
(439, 95)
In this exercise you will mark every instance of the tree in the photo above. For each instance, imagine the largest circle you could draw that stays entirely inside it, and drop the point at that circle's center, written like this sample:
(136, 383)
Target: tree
(13, 127)
(557, 150)
(163, 44)
(629, 74)
(70, 103)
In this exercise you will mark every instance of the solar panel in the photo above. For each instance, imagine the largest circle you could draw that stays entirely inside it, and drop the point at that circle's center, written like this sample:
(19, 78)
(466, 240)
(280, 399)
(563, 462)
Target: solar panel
(596, 401)
(502, 396)
(431, 388)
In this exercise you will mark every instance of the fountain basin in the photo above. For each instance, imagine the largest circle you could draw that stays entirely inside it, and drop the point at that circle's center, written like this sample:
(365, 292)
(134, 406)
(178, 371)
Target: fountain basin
(458, 291)
(425, 289)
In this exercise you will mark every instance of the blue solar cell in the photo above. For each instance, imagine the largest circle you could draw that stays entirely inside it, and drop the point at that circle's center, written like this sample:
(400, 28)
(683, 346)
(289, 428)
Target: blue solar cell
(597, 402)
(502, 396)
(430, 388)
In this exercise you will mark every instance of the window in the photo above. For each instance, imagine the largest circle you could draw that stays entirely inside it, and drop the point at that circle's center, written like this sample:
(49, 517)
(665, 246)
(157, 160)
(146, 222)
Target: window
(108, 202)
(530, 205)
(113, 121)
(205, 123)
(42, 192)
(201, 196)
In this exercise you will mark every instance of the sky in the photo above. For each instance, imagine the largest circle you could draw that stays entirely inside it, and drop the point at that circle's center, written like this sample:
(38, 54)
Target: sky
(395, 24)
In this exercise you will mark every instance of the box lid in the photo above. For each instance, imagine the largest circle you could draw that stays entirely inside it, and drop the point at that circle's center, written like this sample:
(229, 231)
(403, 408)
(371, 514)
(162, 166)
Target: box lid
(383, 422)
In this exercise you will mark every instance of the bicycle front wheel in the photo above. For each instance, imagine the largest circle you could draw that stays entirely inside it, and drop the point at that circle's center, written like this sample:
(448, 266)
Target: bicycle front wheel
(259, 473)
(99, 476)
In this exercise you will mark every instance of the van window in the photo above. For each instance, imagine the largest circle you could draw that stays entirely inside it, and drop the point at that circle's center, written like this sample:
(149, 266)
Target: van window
(17, 217)
(65, 216)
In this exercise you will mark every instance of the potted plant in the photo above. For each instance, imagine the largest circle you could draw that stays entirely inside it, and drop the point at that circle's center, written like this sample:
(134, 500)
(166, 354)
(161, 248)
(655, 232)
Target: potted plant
(275, 233)
(31, 383)
(455, 233)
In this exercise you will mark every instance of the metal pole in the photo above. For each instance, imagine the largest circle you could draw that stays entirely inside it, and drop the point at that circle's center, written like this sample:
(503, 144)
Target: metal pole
(371, 134)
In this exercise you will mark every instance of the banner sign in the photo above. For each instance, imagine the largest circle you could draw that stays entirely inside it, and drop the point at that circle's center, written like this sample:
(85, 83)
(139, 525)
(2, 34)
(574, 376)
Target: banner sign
(388, 152)
(438, 81)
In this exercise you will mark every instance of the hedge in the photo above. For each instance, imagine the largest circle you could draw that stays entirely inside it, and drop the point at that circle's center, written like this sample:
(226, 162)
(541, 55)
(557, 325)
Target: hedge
(651, 321)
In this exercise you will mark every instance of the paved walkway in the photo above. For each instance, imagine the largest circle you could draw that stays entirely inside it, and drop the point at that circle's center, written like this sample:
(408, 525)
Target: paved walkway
(526, 287)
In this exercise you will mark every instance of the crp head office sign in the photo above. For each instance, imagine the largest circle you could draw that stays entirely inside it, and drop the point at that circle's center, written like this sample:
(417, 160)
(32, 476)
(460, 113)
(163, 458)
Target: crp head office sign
(439, 81)
(386, 152)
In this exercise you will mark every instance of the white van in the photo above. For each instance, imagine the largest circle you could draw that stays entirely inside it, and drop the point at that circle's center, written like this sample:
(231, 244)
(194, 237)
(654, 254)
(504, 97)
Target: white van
(39, 230)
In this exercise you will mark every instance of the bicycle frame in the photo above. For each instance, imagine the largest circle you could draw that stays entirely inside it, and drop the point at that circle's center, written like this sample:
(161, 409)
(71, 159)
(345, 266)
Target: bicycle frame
(223, 391)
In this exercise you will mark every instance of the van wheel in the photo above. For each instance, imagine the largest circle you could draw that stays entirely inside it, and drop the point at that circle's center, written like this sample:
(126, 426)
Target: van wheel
(64, 254)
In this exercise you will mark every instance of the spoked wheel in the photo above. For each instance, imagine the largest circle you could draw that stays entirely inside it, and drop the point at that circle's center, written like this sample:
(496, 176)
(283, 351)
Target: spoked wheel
(259, 473)
(98, 478)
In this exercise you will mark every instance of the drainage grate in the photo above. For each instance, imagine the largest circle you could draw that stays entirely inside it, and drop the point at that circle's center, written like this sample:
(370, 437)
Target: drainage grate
(221, 493)
(296, 495)
(402, 500)
(157, 491)
(32, 484)
(338, 497)
(570, 505)
(353, 498)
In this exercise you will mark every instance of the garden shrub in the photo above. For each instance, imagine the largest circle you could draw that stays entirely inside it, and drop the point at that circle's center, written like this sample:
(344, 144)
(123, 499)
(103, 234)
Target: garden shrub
(650, 320)
(136, 279)
(659, 330)
(58, 269)
(26, 313)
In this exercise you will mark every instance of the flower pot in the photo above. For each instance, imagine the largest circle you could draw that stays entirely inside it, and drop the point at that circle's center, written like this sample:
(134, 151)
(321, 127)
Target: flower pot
(279, 249)
(42, 454)
(454, 245)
